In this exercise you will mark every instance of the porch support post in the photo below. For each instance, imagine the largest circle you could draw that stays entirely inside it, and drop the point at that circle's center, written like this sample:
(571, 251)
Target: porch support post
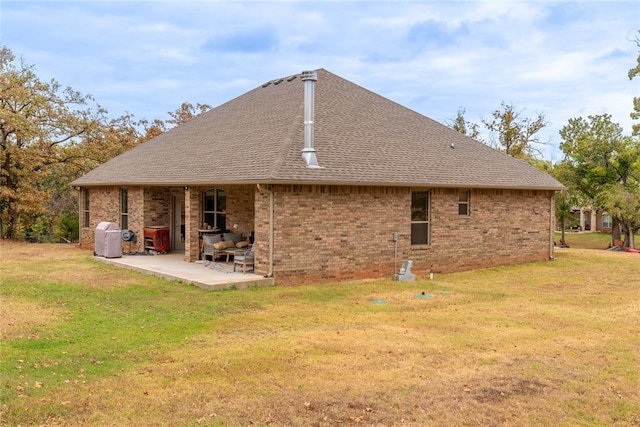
(593, 219)
(191, 220)
(582, 219)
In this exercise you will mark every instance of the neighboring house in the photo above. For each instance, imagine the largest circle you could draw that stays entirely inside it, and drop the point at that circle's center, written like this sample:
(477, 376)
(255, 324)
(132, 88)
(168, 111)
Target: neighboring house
(455, 203)
(586, 217)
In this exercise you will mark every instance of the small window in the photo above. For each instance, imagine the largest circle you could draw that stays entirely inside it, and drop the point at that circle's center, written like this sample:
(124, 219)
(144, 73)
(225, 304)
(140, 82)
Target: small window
(607, 221)
(420, 218)
(124, 208)
(463, 203)
(85, 197)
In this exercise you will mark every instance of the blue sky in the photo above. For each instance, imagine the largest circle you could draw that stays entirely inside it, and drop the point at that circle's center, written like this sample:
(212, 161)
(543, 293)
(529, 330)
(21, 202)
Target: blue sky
(564, 59)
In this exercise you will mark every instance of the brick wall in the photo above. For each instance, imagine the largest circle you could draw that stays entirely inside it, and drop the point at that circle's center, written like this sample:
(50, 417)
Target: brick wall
(157, 207)
(504, 227)
(333, 233)
(104, 205)
(329, 233)
(146, 207)
(240, 207)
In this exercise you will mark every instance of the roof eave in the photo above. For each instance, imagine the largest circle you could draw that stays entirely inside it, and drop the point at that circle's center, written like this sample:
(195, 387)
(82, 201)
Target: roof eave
(319, 182)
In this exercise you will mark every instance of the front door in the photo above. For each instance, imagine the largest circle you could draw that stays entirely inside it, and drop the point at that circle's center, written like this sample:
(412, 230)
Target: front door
(178, 223)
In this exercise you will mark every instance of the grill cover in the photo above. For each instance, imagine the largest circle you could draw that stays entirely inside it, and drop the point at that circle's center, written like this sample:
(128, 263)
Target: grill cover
(112, 244)
(100, 236)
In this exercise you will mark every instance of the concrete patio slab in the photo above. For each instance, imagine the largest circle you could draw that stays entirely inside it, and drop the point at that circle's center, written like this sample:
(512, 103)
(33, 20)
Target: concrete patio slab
(172, 266)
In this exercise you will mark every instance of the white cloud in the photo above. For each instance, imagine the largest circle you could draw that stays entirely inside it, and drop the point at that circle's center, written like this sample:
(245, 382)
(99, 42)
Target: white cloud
(563, 58)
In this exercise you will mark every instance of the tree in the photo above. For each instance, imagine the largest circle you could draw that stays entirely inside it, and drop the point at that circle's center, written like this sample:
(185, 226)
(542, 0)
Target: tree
(564, 215)
(50, 136)
(602, 160)
(186, 112)
(38, 121)
(565, 200)
(623, 202)
(511, 133)
(633, 73)
(515, 135)
(465, 127)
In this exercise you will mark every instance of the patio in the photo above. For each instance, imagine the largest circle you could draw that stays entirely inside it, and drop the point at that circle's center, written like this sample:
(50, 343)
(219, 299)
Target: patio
(172, 266)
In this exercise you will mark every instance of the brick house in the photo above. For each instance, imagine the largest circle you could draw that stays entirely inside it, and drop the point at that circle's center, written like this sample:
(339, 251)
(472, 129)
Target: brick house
(323, 172)
(592, 219)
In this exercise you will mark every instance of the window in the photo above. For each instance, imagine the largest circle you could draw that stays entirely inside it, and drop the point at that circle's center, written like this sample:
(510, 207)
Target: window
(463, 202)
(420, 218)
(607, 222)
(124, 208)
(85, 197)
(214, 207)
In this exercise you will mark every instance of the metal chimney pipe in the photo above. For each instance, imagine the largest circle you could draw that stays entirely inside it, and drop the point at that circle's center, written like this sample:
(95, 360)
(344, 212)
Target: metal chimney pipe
(309, 153)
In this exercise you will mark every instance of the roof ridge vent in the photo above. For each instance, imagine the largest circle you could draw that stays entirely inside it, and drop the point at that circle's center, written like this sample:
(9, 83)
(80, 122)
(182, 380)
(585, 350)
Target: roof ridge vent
(309, 153)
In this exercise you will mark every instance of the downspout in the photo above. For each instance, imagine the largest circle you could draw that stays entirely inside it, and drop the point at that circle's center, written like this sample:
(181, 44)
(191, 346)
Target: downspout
(271, 231)
(552, 215)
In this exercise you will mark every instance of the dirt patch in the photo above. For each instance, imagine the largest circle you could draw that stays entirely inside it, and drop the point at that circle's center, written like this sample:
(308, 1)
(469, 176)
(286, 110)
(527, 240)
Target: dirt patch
(502, 389)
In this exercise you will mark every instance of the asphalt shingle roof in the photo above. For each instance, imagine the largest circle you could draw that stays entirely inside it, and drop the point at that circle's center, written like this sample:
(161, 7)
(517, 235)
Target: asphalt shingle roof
(361, 138)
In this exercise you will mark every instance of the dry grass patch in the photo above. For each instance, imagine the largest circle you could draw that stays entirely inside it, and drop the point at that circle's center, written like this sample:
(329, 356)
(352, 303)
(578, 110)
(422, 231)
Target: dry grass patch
(20, 319)
(540, 344)
(31, 262)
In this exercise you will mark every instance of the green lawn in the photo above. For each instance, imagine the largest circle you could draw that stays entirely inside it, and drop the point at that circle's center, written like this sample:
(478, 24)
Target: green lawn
(589, 240)
(585, 240)
(550, 343)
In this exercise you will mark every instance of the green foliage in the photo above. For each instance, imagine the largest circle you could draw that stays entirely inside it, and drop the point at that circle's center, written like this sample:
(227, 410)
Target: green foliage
(68, 226)
(603, 166)
(564, 214)
(622, 201)
(633, 73)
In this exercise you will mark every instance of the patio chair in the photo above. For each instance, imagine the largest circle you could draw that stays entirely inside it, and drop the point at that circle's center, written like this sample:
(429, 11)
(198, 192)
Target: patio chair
(244, 258)
(208, 240)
